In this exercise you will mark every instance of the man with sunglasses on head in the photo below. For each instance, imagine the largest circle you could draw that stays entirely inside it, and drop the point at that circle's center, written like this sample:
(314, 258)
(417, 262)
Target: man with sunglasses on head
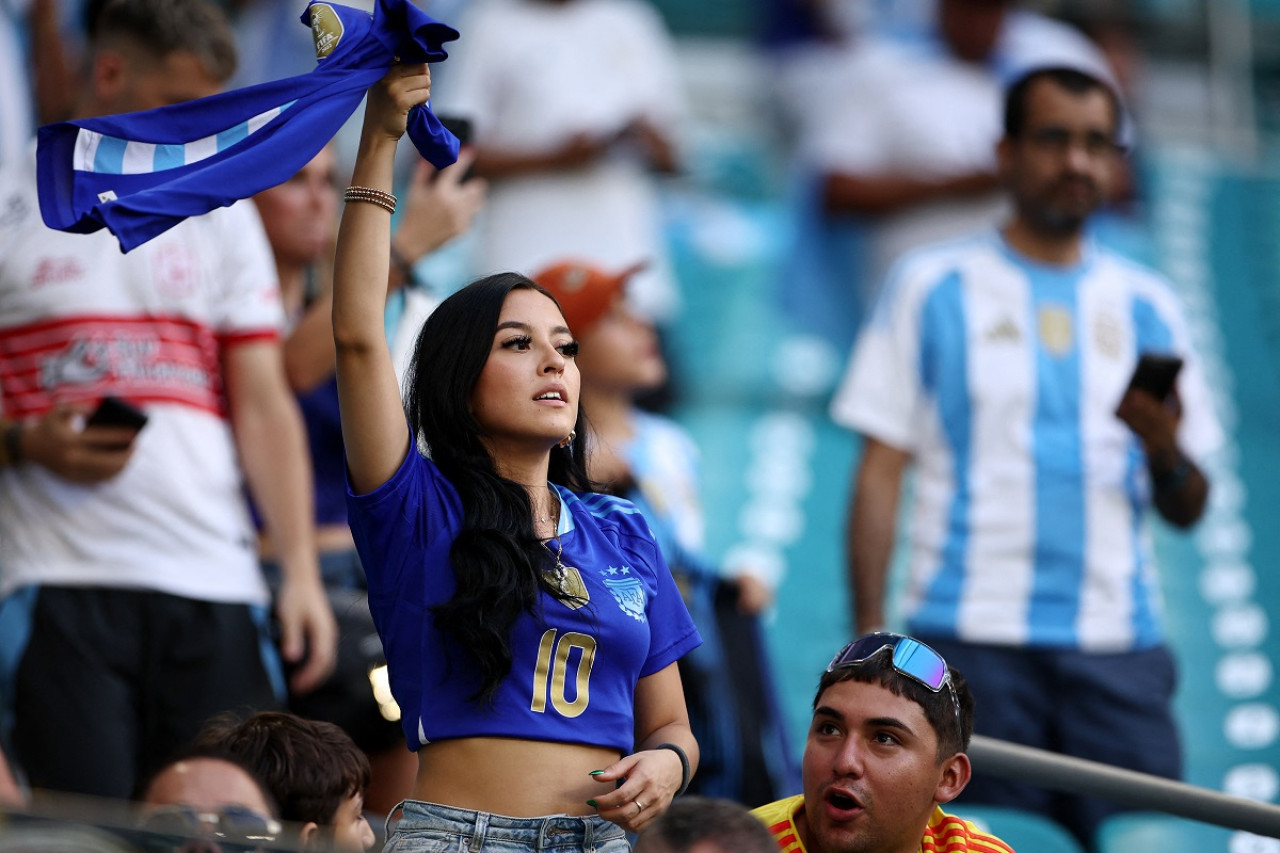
(999, 366)
(886, 747)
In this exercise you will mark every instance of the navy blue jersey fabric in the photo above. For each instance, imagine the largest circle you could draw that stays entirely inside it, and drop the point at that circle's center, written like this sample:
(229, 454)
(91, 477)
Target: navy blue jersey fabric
(139, 174)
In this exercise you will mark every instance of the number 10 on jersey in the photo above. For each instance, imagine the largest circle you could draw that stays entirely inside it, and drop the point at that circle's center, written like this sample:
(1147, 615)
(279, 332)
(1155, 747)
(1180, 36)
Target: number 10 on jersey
(551, 674)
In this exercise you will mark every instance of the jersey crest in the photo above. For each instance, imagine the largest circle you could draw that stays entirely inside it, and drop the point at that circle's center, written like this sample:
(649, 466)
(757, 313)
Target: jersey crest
(627, 590)
(1056, 330)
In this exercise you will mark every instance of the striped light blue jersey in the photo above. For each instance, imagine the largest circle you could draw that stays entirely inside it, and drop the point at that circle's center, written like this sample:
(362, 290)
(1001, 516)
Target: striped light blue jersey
(1001, 377)
(139, 174)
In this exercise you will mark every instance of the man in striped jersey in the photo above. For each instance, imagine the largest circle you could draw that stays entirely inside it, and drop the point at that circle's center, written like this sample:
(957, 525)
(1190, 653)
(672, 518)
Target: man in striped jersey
(129, 582)
(999, 366)
(886, 747)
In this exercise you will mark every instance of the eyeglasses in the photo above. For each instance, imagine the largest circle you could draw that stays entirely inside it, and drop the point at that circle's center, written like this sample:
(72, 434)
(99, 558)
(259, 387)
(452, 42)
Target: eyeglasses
(911, 658)
(1059, 140)
(234, 827)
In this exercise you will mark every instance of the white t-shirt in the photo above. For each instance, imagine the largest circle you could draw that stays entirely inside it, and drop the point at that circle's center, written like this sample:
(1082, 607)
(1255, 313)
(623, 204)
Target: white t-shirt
(1001, 377)
(530, 75)
(908, 106)
(80, 320)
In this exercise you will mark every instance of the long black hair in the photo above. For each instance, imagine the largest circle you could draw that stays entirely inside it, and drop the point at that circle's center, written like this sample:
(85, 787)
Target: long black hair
(497, 557)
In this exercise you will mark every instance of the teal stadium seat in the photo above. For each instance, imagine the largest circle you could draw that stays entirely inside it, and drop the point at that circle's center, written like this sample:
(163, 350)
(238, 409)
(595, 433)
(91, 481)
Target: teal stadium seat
(1131, 831)
(1025, 832)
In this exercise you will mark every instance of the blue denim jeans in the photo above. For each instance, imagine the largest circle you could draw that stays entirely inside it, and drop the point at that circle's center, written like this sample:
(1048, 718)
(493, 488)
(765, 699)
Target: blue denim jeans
(431, 828)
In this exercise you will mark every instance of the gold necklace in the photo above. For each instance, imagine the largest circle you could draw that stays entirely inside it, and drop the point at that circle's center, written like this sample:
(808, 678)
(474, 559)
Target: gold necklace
(559, 571)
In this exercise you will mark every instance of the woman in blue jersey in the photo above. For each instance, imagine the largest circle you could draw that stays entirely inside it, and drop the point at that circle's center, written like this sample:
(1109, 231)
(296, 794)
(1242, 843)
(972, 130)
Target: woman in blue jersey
(531, 628)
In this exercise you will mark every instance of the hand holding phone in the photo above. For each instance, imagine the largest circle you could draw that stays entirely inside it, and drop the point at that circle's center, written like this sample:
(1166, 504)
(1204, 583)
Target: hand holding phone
(112, 411)
(1156, 374)
(460, 126)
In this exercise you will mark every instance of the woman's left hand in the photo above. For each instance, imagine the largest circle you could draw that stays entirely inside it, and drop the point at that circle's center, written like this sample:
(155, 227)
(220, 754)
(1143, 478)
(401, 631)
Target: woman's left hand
(651, 779)
(404, 87)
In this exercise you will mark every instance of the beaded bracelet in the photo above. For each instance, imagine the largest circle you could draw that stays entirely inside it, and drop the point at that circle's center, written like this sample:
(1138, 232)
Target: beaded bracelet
(384, 200)
(685, 771)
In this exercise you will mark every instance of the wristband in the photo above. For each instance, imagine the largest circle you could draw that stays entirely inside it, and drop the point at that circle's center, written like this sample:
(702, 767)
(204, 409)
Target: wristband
(1173, 479)
(686, 772)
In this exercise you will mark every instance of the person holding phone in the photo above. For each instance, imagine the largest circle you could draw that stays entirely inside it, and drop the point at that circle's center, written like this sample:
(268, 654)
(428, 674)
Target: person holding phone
(532, 628)
(129, 579)
(1000, 367)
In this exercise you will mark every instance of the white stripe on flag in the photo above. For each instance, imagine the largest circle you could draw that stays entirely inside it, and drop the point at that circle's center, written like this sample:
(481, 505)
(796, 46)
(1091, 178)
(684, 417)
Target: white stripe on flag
(86, 150)
(199, 149)
(139, 158)
(262, 118)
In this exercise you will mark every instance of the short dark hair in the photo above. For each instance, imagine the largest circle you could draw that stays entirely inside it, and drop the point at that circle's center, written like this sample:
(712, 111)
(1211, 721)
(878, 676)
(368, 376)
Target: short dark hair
(1074, 80)
(939, 709)
(309, 766)
(690, 820)
(163, 27)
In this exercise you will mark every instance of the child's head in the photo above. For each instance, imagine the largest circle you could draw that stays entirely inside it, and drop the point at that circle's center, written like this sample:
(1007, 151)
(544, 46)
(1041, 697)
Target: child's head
(313, 769)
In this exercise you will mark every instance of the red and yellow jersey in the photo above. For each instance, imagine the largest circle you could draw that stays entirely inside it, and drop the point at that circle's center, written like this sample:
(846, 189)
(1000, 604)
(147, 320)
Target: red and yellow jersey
(945, 833)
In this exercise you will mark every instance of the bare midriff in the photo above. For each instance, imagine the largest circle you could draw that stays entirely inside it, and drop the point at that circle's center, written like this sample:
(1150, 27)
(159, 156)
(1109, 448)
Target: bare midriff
(509, 776)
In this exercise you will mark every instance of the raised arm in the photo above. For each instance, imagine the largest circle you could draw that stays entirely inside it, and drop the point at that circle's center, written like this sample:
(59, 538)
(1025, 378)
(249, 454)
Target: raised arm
(374, 429)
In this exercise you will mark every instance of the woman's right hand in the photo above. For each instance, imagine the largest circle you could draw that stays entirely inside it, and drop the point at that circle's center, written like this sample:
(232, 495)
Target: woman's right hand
(404, 87)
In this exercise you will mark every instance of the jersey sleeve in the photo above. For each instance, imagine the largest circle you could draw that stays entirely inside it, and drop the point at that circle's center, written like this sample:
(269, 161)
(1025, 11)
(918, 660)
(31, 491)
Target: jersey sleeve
(672, 633)
(250, 305)
(881, 393)
(1199, 432)
(393, 524)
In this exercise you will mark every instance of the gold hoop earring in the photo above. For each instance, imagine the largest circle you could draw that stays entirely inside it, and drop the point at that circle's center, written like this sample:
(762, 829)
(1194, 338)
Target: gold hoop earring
(567, 441)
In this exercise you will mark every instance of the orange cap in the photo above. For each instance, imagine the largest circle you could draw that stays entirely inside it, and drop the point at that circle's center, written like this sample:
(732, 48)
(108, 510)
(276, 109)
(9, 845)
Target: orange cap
(585, 292)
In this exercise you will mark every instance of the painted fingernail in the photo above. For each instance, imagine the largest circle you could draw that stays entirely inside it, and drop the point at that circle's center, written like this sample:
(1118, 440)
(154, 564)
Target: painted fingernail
(593, 804)
(595, 772)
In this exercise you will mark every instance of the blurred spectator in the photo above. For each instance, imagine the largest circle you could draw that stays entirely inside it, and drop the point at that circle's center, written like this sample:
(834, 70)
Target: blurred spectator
(129, 553)
(899, 132)
(212, 799)
(575, 104)
(36, 72)
(705, 825)
(301, 220)
(207, 802)
(650, 460)
(313, 769)
(998, 365)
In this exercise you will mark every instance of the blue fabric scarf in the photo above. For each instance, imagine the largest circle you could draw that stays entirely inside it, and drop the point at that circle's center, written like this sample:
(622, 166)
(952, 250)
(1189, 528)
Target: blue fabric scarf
(139, 174)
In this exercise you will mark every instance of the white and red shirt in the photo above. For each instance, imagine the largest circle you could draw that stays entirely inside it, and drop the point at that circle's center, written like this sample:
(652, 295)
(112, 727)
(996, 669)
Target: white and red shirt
(80, 320)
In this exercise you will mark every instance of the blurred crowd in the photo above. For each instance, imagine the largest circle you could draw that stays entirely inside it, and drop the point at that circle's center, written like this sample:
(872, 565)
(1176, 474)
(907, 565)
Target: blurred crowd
(185, 616)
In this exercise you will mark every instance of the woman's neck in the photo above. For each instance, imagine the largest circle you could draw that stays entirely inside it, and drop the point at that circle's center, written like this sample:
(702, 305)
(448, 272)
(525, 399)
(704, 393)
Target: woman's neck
(531, 472)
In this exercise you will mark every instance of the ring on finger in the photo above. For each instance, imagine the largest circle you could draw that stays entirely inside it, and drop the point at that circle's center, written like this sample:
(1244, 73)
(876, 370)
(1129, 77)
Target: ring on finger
(639, 805)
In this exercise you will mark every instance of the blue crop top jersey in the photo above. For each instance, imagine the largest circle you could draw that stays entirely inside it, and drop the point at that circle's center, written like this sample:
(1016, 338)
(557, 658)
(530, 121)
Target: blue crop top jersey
(575, 668)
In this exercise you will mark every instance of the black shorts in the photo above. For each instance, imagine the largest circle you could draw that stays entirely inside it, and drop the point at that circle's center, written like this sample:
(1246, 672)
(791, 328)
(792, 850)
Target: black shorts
(113, 681)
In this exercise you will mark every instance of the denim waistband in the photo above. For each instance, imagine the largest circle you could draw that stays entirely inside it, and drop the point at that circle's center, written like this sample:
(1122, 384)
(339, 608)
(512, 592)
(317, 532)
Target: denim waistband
(549, 832)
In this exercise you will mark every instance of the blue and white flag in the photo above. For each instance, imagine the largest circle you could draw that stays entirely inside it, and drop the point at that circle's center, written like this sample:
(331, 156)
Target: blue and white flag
(139, 174)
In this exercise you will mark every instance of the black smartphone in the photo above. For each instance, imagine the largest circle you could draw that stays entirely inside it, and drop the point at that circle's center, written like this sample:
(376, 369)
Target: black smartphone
(113, 411)
(1156, 374)
(459, 126)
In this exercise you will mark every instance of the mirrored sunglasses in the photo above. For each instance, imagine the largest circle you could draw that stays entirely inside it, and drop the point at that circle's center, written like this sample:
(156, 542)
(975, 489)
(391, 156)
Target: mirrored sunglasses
(911, 658)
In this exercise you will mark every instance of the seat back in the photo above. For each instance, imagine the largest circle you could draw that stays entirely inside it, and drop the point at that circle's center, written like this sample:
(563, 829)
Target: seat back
(1157, 831)
(1025, 832)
